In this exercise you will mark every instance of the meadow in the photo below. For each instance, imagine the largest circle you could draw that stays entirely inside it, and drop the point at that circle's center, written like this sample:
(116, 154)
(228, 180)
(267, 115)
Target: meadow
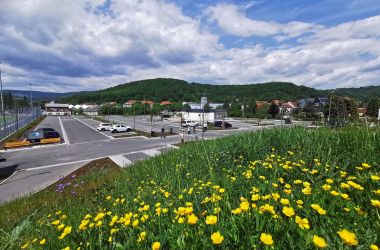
(287, 188)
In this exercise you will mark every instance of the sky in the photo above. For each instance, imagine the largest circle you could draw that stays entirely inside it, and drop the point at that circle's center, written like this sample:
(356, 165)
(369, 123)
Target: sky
(77, 45)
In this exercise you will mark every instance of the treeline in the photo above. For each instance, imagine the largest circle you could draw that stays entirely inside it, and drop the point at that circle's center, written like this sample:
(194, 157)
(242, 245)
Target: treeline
(178, 90)
(11, 102)
(141, 109)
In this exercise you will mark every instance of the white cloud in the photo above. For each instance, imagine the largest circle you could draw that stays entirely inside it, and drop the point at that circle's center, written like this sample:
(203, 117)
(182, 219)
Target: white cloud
(80, 46)
(232, 20)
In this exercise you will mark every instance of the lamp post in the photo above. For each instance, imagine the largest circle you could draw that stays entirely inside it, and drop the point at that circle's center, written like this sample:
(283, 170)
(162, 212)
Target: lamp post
(328, 118)
(2, 100)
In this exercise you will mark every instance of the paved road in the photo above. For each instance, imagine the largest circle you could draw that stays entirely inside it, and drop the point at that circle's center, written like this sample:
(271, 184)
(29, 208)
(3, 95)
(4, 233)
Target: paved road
(43, 165)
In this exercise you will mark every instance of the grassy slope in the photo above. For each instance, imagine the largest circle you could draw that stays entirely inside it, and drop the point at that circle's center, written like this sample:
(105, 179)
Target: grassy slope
(216, 161)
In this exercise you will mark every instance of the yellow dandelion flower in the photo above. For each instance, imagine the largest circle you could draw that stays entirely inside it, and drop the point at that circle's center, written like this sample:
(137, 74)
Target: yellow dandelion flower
(192, 219)
(211, 220)
(303, 223)
(217, 238)
(156, 245)
(375, 203)
(319, 241)
(42, 242)
(266, 239)
(373, 247)
(348, 237)
(288, 211)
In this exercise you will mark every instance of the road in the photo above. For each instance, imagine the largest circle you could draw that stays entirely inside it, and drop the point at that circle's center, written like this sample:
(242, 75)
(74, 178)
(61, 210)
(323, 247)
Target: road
(42, 165)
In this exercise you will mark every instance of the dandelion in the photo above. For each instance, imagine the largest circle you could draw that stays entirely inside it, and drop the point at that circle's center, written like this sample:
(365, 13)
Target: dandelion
(303, 223)
(266, 239)
(211, 220)
(373, 247)
(192, 219)
(42, 242)
(319, 241)
(217, 238)
(288, 211)
(25, 245)
(141, 237)
(156, 245)
(375, 203)
(348, 237)
(244, 206)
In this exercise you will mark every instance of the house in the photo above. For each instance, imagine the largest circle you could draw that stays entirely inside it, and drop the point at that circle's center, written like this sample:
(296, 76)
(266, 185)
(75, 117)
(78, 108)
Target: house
(90, 110)
(277, 102)
(194, 105)
(362, 111)
(148, 102)
(197, 115)
(129, 103)
(163, 103)
(288, 107)
(53, 108)
(318, 102)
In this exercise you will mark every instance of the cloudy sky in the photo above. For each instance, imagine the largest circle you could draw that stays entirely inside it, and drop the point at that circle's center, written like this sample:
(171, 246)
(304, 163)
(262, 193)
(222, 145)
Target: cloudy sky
(73, 45)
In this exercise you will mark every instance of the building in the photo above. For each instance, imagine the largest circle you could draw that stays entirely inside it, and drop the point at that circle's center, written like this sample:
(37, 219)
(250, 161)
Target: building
(164, 103)
(318, 102)
(209, 116)
(194, 105)
(147, 102)
(260, 104)
(129, 103)
(91, 110)
(288, 107)
(362, 111)
(53, 108)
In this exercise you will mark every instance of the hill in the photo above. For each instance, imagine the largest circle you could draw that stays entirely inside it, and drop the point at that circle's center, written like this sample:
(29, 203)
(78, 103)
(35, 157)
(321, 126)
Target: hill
(40, 95)
(178, 90)
(362, 93)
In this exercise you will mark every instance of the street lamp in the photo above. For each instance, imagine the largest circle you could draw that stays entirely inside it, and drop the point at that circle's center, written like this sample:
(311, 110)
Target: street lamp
(2, 100)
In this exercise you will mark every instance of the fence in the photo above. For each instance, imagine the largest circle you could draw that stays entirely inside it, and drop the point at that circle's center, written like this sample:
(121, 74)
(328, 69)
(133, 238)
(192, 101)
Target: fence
(15, 119)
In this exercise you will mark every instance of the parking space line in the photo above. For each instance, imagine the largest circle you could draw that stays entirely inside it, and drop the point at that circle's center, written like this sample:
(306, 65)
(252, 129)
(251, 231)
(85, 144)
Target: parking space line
(63, 132)
(93, 128)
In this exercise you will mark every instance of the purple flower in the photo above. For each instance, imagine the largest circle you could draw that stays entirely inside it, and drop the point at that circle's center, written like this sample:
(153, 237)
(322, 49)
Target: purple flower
(73, 176)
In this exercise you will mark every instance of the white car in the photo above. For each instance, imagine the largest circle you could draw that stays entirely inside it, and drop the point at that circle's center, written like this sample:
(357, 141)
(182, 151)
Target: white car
(120, 128)
(104, 127)
(189, 124)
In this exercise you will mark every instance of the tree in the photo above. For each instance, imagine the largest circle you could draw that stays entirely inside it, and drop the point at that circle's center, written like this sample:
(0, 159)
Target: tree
(207, 107)
(273, 110)
(341, 108)
(235, 110)
(373, 107)
(310, 110)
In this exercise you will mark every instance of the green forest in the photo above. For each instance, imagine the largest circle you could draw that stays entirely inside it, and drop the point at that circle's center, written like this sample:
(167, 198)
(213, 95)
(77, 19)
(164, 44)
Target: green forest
(178, 90)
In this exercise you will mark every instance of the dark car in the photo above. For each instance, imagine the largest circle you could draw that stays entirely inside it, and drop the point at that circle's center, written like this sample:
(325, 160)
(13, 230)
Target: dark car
(47, 129)
(51, 134)
(219, 124)
(42, 133)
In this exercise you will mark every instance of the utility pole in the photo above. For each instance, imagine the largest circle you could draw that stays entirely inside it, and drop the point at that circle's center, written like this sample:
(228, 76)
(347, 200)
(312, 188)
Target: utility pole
(31, 99)
(328, 118)
(2, 100)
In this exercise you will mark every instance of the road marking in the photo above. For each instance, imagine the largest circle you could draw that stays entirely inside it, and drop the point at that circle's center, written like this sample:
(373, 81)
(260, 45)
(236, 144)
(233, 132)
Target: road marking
(63, 132)
(93, 128)
(121, 160)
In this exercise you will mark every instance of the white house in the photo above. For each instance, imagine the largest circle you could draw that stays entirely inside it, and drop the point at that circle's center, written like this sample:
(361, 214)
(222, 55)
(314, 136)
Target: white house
(53, 108)
(90, 110)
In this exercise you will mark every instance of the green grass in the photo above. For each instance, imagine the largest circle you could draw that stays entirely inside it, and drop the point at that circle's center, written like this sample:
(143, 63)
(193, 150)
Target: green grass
(224, 174)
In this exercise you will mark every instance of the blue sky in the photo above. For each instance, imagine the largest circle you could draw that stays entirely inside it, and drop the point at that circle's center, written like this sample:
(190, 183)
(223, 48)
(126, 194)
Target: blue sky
(75, 45)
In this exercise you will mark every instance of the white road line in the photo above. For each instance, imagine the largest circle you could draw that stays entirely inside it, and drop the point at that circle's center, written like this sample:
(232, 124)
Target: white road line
(63, 132)
(86, 160)
(93, 128)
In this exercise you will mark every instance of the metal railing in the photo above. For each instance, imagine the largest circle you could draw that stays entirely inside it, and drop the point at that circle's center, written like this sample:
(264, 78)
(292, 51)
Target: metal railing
(17, 118)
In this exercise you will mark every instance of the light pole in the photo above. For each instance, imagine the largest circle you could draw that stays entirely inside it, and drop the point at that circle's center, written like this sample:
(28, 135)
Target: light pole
(328, 118)
(2, 100)
(31, 100)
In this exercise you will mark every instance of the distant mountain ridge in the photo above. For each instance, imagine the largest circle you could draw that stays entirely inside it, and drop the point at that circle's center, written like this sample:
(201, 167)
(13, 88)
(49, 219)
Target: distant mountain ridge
(160, 89)
(40, 95)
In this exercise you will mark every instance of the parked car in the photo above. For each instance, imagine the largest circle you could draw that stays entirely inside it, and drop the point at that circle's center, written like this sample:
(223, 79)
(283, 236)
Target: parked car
(189, 123)
(43, 133)
(46, 129)
(219, 124)
(104, 127)
(120, 128)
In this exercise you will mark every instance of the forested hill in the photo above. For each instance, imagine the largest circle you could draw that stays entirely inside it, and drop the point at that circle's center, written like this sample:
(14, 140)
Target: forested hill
(362, 93)
(178, 90)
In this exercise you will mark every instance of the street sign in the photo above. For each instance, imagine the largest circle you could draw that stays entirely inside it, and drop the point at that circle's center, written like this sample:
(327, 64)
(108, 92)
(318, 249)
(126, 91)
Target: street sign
(203, 102)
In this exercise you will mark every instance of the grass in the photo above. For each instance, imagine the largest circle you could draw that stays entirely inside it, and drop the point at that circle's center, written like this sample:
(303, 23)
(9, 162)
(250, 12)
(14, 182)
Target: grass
(234, 189)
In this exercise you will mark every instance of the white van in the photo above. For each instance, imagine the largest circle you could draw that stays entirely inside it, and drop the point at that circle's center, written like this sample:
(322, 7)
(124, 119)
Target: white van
(189, 123)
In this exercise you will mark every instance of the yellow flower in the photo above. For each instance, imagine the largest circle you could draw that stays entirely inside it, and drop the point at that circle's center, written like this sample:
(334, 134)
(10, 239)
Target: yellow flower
(192, 219)
(348, 237)
(181, 220)
(108, 197)
(66, 248)
(56, 222)
(302, 223)
(156, 245)
(373, 247)
(42, 242)
(236, 211)
(285, 201)
(326, 187)
(267, 208)
(375, 177)
(335, 193)
(244, 206)
(217, 238)
(266, 239)
(306, 190)
(319, 241)
(375, 203)
(25, 245)
(141, 236)
(135, 223)
(288, 211)
(99, 223)
(211, 220)
(317, 208)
